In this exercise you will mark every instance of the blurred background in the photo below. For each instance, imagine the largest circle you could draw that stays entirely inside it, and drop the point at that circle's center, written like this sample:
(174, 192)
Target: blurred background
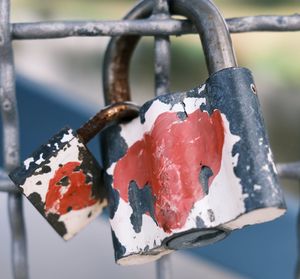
(69, 70)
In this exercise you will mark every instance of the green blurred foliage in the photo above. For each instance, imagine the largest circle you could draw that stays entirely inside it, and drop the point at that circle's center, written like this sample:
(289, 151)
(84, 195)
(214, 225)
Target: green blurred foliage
(268, 3)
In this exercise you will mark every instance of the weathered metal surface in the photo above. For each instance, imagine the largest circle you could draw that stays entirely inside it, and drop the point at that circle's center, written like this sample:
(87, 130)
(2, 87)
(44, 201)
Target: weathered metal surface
(63, 180)
(151, 27)
(108, 115)
(265, 238)
(162, 70)
(160, 157)
(43, 30)
(212, 29)
(115, 70)
(120, 49)
(191, 162)
(162, 51)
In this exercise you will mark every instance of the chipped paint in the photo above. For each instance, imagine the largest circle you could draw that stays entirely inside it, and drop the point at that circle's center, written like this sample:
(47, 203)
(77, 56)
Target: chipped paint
(62, 180)
(152, 155)
(164, 163)
(27, 162)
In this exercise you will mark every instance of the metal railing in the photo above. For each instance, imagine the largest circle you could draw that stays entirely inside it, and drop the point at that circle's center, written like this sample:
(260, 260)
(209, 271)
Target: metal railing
(160, 25)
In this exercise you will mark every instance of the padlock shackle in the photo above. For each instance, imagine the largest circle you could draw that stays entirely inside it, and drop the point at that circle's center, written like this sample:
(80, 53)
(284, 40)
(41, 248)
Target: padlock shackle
(213, 31)
(108, 115)
(209, 22)
(117, 58)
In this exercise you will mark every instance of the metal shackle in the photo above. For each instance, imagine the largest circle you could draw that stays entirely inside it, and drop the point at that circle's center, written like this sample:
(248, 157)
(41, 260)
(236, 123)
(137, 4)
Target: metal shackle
(208, 21)
(116, 112)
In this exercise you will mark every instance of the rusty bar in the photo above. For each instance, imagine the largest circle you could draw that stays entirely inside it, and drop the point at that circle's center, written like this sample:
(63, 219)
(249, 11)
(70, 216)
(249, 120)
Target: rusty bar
(112, 113)
(115, 70)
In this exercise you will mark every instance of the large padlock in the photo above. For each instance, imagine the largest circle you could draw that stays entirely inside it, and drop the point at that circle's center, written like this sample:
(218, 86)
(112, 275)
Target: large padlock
(63, 180)
(194, 165)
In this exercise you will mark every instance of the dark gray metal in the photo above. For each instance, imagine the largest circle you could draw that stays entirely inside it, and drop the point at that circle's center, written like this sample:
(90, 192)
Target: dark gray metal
(216, 45)
(162, 51)
(211, 26)
(5, 183)
(289, 170)
(63, 29)
(264, 23)
(7, 186)
(9, 115)
(164, 268)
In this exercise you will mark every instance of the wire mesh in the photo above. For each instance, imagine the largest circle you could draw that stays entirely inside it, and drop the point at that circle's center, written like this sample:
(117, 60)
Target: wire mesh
(160, 25)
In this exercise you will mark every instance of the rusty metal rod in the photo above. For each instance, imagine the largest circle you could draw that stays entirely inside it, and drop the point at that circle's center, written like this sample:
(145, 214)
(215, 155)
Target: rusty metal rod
(146, 27)
(106, 116)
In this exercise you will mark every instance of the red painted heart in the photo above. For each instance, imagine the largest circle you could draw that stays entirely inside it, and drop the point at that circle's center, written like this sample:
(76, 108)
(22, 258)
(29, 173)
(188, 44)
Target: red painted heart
(68, 190)
(170, 158)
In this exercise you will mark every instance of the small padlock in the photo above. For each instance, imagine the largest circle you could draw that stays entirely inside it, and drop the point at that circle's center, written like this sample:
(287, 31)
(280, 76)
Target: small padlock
(194, 165)
(63, 180)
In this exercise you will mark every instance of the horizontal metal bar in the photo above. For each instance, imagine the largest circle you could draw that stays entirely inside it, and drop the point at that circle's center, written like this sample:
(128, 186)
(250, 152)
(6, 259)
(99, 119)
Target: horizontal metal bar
(7, 186)
(62, 29)
(264, 23)
(289, 170)
(146, 27)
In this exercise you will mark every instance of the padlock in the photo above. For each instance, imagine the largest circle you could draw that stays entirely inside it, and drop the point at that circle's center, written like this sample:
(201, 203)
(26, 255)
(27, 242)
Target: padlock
(63, 180)
(194, 165)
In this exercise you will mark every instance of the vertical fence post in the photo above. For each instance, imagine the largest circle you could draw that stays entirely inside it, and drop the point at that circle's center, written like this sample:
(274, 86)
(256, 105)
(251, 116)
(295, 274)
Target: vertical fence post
(162, 51)
(162, 86)
(11, 154)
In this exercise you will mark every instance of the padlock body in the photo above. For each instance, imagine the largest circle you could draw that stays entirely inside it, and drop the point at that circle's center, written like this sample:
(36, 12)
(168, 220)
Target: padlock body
(194, 166)
(62, 180)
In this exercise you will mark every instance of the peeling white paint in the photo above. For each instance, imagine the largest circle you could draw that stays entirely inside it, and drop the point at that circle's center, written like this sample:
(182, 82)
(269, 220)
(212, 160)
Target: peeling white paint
(68, 136)
(74, 220)
(256, 187)
(27, 162)
(40, 160)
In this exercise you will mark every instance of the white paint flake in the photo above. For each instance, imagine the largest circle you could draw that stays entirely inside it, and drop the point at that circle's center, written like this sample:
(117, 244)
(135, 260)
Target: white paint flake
(27, 162)
(68, 136)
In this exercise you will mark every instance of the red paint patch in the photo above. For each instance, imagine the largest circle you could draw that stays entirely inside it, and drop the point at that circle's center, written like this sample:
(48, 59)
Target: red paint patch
(74, 196)
(170, 158)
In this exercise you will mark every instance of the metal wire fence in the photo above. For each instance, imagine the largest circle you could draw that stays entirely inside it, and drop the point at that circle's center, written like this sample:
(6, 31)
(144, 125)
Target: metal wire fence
(160, 25)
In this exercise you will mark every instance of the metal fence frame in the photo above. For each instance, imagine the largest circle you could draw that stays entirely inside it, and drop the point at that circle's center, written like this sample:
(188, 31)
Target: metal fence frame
(161, 26)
